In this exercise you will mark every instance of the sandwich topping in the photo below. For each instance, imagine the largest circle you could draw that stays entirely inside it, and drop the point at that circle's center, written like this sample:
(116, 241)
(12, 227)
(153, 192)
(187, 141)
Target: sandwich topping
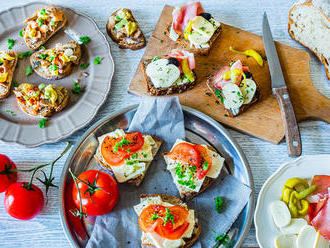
(191, 22)
(171, 70)
(44, 22)
(234, 86)
(190, 164)
(127, 154)
(6, 65)
(164, 224)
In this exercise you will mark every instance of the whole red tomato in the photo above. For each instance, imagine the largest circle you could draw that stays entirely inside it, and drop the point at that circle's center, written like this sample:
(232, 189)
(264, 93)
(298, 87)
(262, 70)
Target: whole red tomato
(23, 203)
(7, 176)
(99, 192)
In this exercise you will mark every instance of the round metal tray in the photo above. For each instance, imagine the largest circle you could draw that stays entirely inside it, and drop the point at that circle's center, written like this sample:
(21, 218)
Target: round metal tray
(199, 129)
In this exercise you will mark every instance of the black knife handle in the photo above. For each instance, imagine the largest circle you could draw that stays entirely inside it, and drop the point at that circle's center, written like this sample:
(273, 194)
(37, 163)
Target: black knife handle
(292, 134)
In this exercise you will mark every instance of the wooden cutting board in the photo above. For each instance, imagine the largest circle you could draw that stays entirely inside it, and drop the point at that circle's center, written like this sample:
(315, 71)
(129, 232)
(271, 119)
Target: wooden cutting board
(263, 120)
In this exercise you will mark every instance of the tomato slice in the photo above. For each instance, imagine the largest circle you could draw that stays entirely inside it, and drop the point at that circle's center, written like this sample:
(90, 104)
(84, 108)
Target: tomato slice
(115, 150)
(206, 162)
(185, 152)
(153, 218)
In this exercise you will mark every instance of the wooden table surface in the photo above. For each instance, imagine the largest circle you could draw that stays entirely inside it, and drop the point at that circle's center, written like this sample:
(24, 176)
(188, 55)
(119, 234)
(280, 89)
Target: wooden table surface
(264, 158)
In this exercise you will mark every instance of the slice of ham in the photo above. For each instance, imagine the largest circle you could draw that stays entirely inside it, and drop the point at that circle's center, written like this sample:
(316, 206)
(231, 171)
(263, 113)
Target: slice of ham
(181, 16)
(322, 182)
(321, 221)
(218, 80)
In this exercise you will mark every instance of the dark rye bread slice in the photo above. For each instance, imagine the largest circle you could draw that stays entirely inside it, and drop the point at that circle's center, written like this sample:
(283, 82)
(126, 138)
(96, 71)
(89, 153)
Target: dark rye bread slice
(164, 91)
(244, 107)
(176, 201)
(186, 44)
(138, 180)
(188, 195)
(139, 40)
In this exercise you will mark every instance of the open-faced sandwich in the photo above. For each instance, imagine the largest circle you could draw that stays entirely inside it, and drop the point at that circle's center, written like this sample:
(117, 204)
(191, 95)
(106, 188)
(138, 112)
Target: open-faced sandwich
(166, 221)
(43, 100)
(127, 155)
(56, 63)
(193, 28)
(42, 25)
(168, 74)
(234, 87)
(193, 167)
(124, 29)
(8, 61)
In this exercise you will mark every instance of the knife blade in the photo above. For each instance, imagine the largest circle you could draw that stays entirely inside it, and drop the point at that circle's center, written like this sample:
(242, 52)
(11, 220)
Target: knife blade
(280, 91)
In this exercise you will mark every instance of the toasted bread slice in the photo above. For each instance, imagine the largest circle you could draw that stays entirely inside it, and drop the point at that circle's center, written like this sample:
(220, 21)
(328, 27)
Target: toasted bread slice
(42, 25)
(186, 44)
(309, 23)
(137, 180)
(8, 62)
(135, 40)
(41, 101)
(187, 194)
(56, 63)
(164, 91)
(147, 243)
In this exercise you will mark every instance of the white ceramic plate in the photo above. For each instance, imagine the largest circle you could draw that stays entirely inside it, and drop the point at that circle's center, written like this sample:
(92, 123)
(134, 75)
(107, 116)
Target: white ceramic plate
(304, 167)
(24, 129)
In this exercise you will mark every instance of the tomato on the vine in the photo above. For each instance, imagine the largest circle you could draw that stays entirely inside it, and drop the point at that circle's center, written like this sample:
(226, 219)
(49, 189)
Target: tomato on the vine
(98, 191)
(23, 202)
(7, 177)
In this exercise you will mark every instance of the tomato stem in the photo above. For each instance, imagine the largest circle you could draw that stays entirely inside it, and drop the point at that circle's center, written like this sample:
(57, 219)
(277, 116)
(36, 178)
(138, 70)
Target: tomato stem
(80, 212)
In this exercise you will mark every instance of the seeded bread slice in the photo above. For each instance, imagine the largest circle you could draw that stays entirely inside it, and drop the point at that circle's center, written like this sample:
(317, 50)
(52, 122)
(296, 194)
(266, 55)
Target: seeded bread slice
(243, 108)
(164, 91)
(5, 87)
(309, 24)
(138, 180)
(175, 201)
(186, 44)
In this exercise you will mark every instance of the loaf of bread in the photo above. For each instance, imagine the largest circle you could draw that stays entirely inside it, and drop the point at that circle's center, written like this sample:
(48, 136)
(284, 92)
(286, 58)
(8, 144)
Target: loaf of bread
(309, 24)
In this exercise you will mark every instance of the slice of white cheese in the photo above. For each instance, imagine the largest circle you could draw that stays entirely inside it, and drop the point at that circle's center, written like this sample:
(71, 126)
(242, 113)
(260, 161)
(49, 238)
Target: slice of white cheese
(162, 74)
(145, 153)
(249, 91)
(281, 214)
(126, 172)
(203, 27)
(295, 226)
(233, 98)
(306, 237)
(286, 241)
(217, 164)
(146, 202)
(191, 219)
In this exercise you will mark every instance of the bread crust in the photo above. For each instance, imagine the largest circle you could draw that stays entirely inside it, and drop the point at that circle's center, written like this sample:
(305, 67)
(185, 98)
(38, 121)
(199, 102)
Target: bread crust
(68, 69)
(176, 201)
(6, 89)
(164, 91)
(243, 108)
(186, 44)
(35, 46)
(321, 58)
(121, 43)
(138, 180)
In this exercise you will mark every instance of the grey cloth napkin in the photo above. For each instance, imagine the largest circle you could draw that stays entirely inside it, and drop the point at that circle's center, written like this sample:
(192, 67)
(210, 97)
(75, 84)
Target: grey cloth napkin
(163, 117)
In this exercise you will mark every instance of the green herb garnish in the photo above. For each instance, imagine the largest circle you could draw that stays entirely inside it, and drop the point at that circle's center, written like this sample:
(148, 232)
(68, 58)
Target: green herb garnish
(145, 155)
(205, 165)
(84, 39)
(154, 217)
(28, 70)
(179, 171)
(155, 58)
(231, 63)
(42, 12)
(11, 112)
(24, 54)
(40, 21)
(84, 66)
(219, 94)
(21, 33)
(97, 60)
(53, 67)
(134, 156)
(43, 55)
(42, 123)
(77, 89)
(15, 84)
(223, 240)
(52, 23)
(42, 48)
(219, 204)
(121, 143)
(11, 43)
(168, 217)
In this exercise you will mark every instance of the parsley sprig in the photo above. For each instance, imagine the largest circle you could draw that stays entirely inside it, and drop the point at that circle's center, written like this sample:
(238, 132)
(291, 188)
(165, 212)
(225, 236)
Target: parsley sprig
(11, 43)
(84, 39)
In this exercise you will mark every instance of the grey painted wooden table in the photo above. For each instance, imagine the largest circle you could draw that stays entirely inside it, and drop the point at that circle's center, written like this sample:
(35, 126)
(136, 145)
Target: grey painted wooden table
(265, 158)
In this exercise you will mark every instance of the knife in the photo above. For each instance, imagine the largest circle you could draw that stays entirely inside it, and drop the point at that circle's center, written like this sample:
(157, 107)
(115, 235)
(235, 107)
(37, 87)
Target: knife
(280, 91)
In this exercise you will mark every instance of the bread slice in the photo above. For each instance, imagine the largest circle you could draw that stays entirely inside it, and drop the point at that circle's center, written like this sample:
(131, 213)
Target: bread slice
(175, 201)
(134, 181)
(164, 91)
(54, 20)
(7, 66)
(243, 108)
(134, 42)
(41, 107)
(42, 66)
(309, 24)
(186, 44)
